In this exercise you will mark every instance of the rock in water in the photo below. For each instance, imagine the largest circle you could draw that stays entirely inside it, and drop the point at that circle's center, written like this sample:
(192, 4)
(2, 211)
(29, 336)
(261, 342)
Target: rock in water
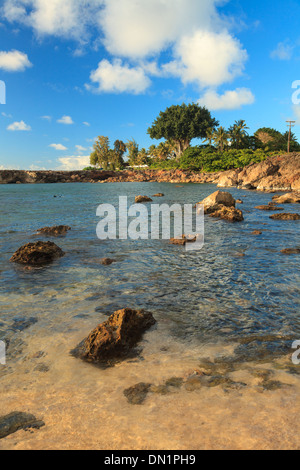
(285, 216)
(13, 422)
(290, 198)
(107, 261)
(115, 338)
(137, 394)
(216, 200)
(228, 213)
(55, 231)
(37, 254)
(141, 199)
(291, 251)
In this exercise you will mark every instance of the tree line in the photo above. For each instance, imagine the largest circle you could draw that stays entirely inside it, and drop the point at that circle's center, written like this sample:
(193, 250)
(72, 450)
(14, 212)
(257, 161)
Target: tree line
(178, 126)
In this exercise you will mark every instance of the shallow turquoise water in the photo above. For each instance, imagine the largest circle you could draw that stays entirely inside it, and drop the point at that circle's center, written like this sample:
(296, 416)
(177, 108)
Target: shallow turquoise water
(202, 296)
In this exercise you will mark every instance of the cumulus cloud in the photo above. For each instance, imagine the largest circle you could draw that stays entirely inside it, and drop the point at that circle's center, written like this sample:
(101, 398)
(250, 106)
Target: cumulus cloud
(66, 18)
(14, 61)
(117, 77)
(208, 59)
(58, 146)
(19, 126)
(67, 120)
(137, 34)
(232, 99)
(73, 162)
(283, 51)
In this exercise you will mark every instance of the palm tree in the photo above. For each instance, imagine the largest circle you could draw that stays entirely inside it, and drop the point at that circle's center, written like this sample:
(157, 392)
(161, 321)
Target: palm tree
(220, 138)
(209, 136)
(237, 132)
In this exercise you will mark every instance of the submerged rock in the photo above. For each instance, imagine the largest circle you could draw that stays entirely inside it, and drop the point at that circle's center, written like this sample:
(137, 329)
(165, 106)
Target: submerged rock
(115, 338)
(37, 254)
(291, 251)
(141, 199)
(256, 232)
(183, 241)
(137, 394)
(270, 207)
(55, 231)
(285, 216)
(13, 422)
(158, 195)
(107, 261)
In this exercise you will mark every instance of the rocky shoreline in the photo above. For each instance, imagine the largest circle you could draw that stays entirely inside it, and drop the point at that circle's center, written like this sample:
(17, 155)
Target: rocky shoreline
(280, 173)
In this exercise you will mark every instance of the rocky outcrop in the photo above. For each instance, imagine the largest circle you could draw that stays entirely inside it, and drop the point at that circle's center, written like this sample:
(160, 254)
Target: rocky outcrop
(37, 254)
(291, 251)
(217, 199)
(56, 231)
(222, 205)
(279, 173)
(290, 198)
(115, 338)
(13, 422)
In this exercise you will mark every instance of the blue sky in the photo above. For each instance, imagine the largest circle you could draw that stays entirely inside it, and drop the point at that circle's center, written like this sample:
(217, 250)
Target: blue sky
(76, 69)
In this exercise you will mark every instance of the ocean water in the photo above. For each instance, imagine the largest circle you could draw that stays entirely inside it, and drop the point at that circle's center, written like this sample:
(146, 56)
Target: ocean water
(234, 302)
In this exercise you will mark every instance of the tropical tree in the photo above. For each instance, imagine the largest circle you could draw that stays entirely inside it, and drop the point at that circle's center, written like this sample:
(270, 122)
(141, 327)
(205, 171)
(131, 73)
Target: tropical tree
(133, 152)
(238, 132)
(101, 155)
(209, 136)
(221, 137)
(181, 124)
(119, 150)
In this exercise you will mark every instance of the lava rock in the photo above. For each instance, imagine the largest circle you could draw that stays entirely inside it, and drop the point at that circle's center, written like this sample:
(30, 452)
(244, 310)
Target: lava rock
(13, 422)
(141, 199)
(56, 231)
(37, 254)
(115, 338)
(285, 216)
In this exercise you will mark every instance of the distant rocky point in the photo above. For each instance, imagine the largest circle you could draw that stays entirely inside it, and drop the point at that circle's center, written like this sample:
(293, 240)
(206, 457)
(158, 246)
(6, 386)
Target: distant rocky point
(279, 173)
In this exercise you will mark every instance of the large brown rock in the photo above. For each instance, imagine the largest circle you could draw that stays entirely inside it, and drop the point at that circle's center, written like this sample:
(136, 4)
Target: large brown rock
(216, 200)
(115, 338)
(37, 254)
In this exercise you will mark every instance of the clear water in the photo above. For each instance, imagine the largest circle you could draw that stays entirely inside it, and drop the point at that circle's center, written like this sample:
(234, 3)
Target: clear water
(211, 303)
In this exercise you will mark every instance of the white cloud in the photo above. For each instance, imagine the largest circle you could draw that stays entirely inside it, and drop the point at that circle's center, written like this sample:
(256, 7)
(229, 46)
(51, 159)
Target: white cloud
(87, 124)
(80, 148)
(195, 35)
(14, 61)
(6, 115)
(283, 51)
(58, 146)
(232, 99)
(73, 162)
(206, 58)
(19, 126)
(46, 118)
(117, 77)
(66, 18)
(67, 120)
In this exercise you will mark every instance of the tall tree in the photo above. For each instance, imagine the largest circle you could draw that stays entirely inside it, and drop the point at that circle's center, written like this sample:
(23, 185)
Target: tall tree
(181, 124)
(238, 132)
(101, 154)
(133, 152)
(221, 137)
